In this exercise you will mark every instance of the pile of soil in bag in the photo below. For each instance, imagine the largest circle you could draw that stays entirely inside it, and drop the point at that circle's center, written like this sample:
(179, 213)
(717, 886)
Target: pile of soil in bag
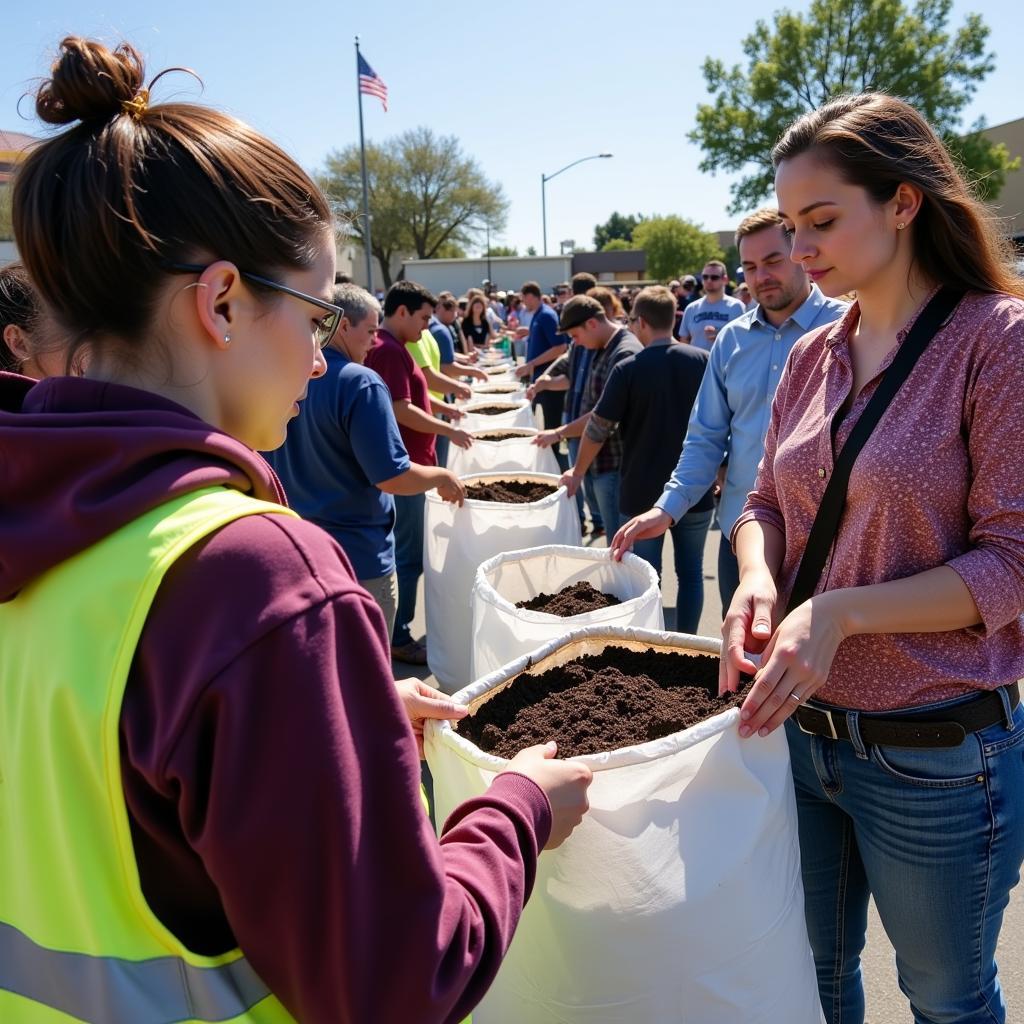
(490, 410)
(502, 435)
(575, 599)
(498, 389)
(515, 492)
(496, 369)
(599, 702)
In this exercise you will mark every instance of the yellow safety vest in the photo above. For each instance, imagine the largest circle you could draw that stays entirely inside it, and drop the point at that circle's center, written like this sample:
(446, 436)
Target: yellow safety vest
(77, 938)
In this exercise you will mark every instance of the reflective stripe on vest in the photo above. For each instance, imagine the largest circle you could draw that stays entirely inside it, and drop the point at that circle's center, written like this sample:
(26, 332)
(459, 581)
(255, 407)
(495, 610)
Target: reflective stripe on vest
(103, 988)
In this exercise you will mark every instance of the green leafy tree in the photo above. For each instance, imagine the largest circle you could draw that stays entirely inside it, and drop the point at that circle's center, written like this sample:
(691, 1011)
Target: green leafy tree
(425, 195)
(501, 250)
(531, 250)
(616, 226)
(731, 259)
(450, 251)
(845, 46)
(618, 245)
(674, 246)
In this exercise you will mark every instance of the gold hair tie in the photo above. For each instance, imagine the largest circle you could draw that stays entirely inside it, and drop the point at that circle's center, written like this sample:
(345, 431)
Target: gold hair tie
(137, 106)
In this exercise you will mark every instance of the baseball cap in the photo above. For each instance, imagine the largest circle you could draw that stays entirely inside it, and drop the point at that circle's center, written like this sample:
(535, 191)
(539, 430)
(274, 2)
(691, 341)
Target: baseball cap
(578, 310)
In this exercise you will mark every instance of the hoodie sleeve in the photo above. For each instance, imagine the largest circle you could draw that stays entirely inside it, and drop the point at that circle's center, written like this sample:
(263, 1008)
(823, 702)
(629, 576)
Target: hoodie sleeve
(262, 735)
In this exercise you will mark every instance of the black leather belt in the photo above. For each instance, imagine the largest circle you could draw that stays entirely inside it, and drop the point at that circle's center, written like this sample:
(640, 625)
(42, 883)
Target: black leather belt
(947, 727)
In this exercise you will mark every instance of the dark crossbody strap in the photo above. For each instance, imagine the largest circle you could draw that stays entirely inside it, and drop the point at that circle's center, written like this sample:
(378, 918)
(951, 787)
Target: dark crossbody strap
(826, 523)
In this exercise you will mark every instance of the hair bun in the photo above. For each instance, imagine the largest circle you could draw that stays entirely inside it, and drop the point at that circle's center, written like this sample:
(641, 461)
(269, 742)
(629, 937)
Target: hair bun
(90, 82)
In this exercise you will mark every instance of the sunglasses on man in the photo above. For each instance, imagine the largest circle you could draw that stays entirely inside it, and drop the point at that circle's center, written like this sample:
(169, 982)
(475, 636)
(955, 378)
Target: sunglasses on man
(711, 277)
(326, 327)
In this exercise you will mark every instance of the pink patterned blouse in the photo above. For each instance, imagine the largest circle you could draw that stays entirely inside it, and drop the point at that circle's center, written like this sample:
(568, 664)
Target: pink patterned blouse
(939, 482)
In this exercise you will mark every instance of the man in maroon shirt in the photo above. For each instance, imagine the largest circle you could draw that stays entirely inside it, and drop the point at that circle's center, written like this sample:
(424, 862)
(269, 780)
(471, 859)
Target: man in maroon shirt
(408, 308)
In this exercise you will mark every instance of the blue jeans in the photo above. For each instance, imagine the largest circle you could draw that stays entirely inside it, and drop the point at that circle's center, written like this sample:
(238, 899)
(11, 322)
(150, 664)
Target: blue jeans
(936, 835)
(408, 561)
(587, 488)
(688, 537)
(441, 450)
(728, 573)
(606, 492)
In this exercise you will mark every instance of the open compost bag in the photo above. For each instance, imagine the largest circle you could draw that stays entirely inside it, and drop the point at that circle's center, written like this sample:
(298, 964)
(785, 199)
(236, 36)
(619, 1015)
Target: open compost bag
(506, 386)
(502, 632)
(517, 413)
(516, 455)
(678, 900)
(456, 540)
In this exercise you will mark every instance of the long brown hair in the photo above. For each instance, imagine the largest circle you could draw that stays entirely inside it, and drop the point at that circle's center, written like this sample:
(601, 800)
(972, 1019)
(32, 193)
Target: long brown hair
(101, 209)
(878, 142)
(610, 303)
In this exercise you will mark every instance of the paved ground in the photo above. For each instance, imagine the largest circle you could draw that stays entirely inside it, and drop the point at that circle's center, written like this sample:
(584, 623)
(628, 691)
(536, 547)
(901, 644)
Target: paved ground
(885, 1003)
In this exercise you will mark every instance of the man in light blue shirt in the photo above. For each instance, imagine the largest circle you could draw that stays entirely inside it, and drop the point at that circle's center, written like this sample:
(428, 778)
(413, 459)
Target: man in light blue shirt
(734, 403)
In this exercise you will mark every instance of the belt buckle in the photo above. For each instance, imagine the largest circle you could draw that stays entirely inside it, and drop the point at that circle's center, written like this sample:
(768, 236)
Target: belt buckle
(828, 718)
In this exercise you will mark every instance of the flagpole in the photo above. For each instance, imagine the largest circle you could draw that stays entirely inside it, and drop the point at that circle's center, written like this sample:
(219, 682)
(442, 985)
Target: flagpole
(366, 188)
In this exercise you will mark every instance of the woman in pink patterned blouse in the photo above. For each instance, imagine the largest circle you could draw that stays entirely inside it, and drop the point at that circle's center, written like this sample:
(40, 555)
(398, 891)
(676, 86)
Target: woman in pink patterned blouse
(897, 680)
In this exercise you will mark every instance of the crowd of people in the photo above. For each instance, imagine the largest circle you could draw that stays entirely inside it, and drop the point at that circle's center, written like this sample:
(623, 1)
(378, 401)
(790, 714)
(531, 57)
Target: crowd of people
(207, 761)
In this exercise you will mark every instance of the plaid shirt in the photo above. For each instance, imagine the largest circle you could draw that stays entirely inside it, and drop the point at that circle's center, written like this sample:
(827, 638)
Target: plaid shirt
(621, 346)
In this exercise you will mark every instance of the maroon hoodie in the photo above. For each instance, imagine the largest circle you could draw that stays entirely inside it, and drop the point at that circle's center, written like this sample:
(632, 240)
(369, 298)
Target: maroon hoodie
(270, 773)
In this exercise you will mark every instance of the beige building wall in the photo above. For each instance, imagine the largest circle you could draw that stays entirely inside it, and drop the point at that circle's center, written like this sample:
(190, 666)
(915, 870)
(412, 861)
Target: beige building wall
(1010, 204)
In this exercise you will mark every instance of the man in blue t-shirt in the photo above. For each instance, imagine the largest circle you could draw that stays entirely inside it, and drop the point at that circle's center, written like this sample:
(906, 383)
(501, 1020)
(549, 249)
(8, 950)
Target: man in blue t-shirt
(344, 458)
(544, 345)
(703, 319)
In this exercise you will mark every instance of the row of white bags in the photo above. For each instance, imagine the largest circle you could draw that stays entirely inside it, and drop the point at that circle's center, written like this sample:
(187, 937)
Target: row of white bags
(678, 899)
(456, 541)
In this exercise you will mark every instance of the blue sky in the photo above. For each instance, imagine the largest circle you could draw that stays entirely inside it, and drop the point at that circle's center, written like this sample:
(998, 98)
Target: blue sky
(526, 88)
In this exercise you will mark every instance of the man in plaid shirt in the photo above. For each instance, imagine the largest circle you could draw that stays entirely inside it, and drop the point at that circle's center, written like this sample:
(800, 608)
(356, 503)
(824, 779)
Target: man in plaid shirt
(583, 319)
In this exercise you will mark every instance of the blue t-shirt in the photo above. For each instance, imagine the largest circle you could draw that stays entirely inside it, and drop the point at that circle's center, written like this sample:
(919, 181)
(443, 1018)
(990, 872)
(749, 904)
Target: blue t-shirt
(445, 342)
(543, 335)
(343, 443)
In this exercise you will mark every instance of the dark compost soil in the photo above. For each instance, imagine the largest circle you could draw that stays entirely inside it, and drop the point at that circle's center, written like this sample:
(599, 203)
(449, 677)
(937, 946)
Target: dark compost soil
(516, 492)
(502, 435)
(575, 599)
(600, 702)
(490, 410)
(498, 389)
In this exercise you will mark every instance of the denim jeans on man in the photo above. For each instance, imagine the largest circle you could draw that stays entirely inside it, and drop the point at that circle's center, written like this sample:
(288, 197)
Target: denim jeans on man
(936, 836)
(408, 561)
(728, 573)
(587, 490)
(688, 537)
(606, 491)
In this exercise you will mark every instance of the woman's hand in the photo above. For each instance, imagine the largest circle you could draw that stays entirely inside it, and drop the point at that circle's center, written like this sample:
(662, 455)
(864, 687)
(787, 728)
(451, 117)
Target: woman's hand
(795, 663)
(422, 702)
(747, 627)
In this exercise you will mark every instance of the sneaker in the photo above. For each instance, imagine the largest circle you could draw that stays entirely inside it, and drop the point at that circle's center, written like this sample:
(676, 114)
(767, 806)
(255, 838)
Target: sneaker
(597, 531)
(412, 653)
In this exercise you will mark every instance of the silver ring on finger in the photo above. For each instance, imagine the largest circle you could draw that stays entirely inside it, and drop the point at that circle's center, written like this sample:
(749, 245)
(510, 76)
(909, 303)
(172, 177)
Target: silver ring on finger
(794, 696)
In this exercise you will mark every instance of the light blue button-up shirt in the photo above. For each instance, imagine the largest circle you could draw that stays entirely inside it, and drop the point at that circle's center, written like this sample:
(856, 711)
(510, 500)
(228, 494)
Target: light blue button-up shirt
(734, 405)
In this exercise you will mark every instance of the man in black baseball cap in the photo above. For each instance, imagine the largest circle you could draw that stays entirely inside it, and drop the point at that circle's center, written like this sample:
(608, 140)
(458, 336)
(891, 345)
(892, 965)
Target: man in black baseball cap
(583, 319)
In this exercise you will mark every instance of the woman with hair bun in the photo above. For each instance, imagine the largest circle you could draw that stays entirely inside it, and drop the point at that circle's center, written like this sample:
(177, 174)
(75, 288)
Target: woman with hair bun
(894, 662)
(210, 801)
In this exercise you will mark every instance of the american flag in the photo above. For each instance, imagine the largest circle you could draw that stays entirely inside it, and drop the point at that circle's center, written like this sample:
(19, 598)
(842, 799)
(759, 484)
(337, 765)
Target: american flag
(371, 83)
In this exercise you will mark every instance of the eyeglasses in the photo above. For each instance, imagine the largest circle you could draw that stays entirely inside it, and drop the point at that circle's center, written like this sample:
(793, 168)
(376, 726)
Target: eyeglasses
(326, 326)
(711, 277)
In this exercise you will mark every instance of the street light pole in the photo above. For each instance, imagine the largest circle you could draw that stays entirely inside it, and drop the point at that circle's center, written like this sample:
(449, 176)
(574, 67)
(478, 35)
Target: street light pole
(545, 178)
